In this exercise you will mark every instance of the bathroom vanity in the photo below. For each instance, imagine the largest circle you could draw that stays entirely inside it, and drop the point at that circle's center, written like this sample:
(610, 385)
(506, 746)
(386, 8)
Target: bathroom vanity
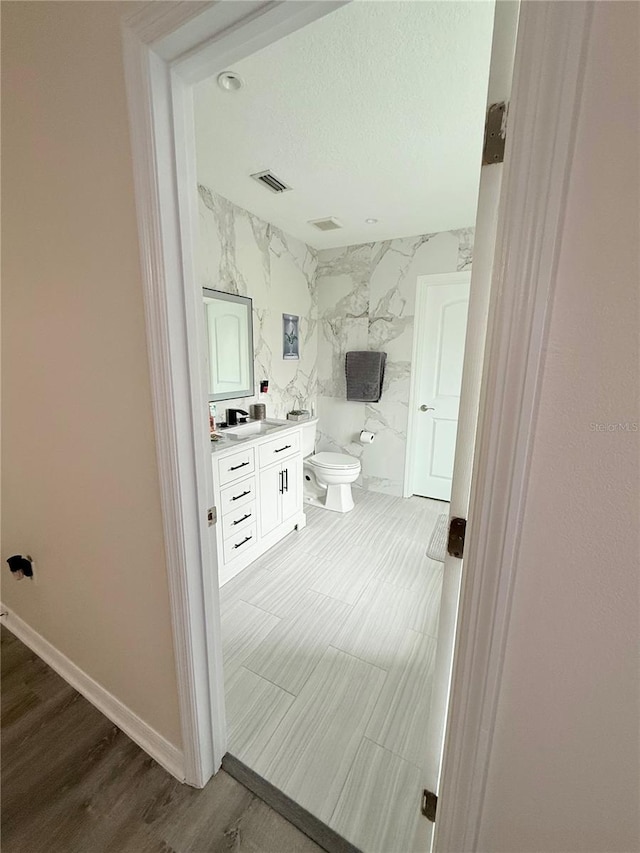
(257, 480)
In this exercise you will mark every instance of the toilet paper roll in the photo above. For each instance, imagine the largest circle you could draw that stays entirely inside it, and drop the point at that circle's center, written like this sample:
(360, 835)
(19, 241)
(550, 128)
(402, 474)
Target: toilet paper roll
(366, 437)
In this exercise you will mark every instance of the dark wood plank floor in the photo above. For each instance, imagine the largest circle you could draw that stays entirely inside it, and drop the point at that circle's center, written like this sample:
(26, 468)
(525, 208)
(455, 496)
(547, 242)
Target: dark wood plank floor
(73, 783)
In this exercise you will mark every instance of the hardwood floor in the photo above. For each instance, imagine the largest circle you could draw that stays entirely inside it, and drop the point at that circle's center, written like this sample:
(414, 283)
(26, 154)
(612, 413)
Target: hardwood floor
(329, 642)
(73, 783)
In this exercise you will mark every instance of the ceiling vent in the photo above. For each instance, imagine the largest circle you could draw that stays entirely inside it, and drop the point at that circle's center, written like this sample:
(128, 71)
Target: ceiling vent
(330, 224)
(269, 180)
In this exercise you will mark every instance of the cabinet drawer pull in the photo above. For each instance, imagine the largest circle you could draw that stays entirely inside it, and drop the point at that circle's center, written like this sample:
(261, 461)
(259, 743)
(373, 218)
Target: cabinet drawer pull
(237, 497)
(240, 520)
(240, 544)
(235, 467)
(280, 449)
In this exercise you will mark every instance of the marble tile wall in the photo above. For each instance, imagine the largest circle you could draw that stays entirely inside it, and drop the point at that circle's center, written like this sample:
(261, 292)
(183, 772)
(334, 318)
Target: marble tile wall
(240, 253)
(366, 300)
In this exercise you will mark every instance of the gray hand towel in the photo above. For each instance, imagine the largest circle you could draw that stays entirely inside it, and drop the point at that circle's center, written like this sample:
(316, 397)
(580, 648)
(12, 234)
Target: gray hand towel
(365, 374)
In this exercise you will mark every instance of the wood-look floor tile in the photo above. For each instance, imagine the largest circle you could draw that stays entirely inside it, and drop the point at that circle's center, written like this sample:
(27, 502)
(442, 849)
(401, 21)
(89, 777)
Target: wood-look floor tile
(255, 708)
(242, 586)
(380, 803)
(399, 720)
(428, 591)
(290, 653)
(286, 585)
(311, 752)
(376, 626)
(346, 578)
(243, 628)
(405, 565)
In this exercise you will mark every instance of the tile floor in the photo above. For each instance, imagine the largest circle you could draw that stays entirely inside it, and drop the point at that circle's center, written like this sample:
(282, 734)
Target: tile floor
(329, 642)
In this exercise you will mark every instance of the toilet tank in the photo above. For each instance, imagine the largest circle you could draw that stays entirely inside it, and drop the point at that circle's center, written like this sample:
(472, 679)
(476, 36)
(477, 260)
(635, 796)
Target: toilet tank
(309, 437)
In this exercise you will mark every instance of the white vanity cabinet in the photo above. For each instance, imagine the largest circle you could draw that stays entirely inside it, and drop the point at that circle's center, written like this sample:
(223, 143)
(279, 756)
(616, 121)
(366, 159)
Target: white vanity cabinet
(258, 496)
(280, 487)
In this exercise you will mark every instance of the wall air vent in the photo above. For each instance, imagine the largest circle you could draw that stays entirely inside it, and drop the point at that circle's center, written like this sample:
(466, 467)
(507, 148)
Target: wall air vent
(330, 224)
(269, 180)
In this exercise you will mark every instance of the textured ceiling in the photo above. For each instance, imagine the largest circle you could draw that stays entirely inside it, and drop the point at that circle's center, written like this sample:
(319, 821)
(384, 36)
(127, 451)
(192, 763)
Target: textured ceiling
(376, 110)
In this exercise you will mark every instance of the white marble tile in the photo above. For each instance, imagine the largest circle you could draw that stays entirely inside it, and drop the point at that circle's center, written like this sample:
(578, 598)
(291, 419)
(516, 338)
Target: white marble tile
(379, 805)
(243, 629)
(399, 720)
(377, 282)
(377, 625)
(240, 253)
(255, 708)
(290, 653)
(311, 752)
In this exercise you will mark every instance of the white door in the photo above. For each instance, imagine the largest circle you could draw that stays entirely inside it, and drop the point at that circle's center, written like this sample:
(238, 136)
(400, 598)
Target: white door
(270, 499)
(292, 480)
(500, 81)
(441, 320)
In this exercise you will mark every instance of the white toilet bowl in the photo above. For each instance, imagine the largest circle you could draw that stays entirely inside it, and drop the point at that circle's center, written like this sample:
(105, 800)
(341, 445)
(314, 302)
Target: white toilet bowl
(328, 478)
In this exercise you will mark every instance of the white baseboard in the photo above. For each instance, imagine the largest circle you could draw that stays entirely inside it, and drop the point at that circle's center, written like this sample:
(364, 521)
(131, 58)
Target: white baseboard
(148, 739)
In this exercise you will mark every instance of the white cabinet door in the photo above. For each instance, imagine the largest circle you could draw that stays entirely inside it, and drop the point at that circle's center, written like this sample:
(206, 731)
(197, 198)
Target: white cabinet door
(270, 499)
(292, 494)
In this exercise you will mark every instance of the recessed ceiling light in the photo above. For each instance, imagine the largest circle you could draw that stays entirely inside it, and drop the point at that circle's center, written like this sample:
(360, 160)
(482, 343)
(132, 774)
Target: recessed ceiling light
(371, 221)
(229, 81)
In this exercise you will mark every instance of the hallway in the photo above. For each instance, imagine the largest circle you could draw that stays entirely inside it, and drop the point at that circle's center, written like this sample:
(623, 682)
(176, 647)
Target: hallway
(74, 783)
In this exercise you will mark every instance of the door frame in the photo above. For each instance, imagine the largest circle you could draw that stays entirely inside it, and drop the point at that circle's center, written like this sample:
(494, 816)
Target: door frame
(417, 355)
(167, 48)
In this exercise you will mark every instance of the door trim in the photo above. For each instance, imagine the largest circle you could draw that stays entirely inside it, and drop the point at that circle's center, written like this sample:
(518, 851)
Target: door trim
(169, 46)
(417, 355)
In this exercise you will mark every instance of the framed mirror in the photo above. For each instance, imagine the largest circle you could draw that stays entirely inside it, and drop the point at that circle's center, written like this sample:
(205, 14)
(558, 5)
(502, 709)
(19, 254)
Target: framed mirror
(229, 325)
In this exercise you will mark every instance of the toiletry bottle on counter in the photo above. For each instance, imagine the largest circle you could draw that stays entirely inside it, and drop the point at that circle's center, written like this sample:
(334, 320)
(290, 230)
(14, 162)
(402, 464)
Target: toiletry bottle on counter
(212, 418)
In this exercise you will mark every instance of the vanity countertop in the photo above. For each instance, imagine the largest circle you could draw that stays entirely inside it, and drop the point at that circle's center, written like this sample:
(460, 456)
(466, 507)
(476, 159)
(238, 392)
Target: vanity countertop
(230, 441)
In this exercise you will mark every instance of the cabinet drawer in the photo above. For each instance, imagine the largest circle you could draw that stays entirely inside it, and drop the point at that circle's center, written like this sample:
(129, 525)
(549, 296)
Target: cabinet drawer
(237, 519)
(235, 466)
(239, 542)
(237, 495)
(279, 448)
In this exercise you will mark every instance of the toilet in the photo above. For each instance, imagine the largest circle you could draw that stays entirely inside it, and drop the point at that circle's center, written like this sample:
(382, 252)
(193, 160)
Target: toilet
(327, 476)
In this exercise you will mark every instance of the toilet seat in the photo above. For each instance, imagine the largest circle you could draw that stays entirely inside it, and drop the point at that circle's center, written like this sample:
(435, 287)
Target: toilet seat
(334, 461)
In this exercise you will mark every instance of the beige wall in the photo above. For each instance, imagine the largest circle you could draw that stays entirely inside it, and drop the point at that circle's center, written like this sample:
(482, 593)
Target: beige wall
(80, 482)
(565, 759)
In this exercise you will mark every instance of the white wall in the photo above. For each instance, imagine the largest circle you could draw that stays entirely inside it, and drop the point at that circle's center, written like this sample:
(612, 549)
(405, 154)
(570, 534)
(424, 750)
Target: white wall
(80, 488)
(366, 301)
(240, 253)
(566, 756)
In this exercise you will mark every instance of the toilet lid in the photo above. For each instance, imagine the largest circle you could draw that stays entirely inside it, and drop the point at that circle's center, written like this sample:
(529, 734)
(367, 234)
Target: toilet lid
(334, 460)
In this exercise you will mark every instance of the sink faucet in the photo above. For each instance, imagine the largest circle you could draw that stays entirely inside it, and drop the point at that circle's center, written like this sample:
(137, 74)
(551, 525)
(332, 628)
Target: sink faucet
(232, 416)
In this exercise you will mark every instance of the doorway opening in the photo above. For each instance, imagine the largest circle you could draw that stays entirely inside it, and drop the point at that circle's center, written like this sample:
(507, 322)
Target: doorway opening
(330, 606)
(165, 55)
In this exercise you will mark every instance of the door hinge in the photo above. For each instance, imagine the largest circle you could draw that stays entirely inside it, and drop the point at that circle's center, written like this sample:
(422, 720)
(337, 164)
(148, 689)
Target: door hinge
(455, 542)
(495, 134)
(429, 805)
(212, 516)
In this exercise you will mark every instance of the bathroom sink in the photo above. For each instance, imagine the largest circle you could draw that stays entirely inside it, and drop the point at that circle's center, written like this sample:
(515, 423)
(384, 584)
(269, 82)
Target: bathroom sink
(252, 428)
